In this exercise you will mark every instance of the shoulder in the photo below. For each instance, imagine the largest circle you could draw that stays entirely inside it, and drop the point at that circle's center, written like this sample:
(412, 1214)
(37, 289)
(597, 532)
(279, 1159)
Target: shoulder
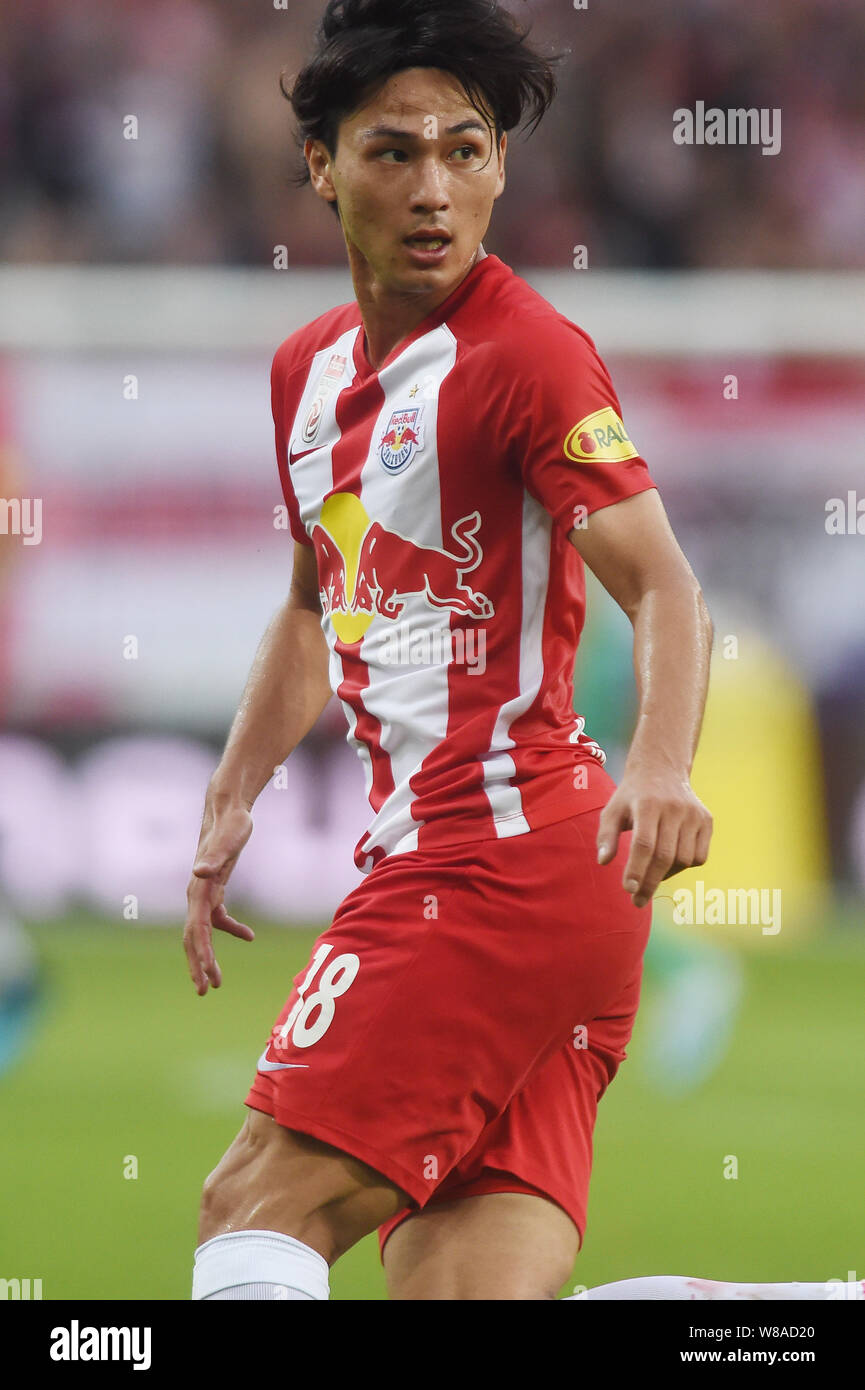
(300, 347)
(512, 326)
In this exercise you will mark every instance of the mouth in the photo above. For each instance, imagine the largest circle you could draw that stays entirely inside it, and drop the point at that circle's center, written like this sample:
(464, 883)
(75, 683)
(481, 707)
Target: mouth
(428, 245)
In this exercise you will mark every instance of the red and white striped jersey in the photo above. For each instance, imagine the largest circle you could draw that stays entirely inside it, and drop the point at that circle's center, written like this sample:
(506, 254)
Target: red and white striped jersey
(438, 492)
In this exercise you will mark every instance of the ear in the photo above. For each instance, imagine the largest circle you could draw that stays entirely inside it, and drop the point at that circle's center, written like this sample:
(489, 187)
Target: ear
(319, 162)
(503, 149)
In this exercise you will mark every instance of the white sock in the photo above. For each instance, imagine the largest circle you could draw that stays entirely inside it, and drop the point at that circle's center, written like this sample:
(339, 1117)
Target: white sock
(259, 1265)
(674, 1286)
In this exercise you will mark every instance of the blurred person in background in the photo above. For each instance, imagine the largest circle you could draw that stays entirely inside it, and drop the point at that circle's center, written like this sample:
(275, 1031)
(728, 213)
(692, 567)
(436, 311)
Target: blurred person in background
(203, 184)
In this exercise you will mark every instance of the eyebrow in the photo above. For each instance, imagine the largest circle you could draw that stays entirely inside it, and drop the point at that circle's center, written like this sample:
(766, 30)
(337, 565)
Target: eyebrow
(393, 133)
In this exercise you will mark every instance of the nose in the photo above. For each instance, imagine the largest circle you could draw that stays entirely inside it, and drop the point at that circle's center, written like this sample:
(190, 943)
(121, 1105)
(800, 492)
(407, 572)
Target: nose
(431, 194)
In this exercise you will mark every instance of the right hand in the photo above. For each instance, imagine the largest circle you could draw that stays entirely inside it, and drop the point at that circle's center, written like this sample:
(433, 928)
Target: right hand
(223, 835)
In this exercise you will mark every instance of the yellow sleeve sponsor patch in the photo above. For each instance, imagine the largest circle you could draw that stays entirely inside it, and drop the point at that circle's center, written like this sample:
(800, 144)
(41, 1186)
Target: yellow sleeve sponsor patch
(600, 438)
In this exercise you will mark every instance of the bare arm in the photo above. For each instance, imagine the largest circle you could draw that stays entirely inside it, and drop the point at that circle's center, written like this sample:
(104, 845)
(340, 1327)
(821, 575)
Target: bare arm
(286, 692)
(632, 550)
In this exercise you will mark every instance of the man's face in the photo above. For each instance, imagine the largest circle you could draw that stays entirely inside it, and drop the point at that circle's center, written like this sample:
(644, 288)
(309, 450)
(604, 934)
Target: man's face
(417, 157)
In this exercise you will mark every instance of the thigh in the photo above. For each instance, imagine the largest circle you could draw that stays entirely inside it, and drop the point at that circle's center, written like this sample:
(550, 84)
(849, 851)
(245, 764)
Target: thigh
(273, 1179)
(446, 979)
(542, 1143)
(495, 1246)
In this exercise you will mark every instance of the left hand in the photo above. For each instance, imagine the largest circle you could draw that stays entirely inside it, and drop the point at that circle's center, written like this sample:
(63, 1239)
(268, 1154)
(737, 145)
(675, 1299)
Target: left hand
(672, 829)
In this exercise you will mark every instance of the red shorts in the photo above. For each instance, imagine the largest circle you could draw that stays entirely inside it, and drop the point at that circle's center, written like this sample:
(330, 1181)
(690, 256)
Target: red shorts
(461, 1018)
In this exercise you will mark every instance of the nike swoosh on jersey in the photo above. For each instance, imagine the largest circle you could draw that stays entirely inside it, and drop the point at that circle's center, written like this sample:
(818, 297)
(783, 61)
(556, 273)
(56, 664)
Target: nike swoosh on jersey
(264, 1065)
(296, 458)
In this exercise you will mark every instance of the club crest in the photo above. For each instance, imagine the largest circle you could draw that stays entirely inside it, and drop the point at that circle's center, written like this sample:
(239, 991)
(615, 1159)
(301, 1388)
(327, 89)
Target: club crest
(403, 436)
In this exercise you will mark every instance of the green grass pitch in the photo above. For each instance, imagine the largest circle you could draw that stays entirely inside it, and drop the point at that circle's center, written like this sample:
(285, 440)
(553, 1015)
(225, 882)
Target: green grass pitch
(127, 1061)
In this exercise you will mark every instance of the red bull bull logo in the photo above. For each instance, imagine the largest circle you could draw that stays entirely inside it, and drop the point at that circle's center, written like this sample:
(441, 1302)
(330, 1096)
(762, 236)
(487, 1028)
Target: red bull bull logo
(366, 571)
(401, 438)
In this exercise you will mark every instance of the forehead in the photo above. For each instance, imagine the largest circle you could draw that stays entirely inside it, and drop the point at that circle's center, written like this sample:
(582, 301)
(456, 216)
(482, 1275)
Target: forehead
(411, 96)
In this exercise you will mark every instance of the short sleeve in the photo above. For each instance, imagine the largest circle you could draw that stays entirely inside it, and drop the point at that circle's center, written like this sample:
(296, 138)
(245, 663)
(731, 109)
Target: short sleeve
(278, 406)
(575, 452)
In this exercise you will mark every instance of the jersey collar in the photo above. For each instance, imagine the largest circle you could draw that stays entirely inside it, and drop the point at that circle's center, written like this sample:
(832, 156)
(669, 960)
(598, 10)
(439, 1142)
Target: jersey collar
(432, 320)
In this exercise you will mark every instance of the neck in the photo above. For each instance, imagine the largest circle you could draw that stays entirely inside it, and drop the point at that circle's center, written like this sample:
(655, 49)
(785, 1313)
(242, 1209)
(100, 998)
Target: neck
(390, 317)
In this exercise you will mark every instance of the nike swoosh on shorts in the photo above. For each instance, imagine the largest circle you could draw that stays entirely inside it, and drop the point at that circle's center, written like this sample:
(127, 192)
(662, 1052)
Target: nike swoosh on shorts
(264, 1065)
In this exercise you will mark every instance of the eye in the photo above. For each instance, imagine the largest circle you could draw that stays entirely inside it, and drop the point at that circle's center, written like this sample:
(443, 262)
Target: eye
(402, 155)
(468, 150)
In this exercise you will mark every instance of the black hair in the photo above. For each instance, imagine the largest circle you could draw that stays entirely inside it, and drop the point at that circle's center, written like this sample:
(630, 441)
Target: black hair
(360, 44)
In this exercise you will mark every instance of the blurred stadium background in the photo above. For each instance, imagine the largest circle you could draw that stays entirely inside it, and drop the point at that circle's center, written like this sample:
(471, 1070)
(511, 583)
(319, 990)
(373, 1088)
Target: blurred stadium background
(139, 309)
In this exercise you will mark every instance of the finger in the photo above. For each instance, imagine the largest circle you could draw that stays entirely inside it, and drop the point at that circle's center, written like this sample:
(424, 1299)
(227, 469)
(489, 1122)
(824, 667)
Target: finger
(660, 860)
(677, 867)
(223, 922)
(196, 970)
(615, 818)
(643, 843)
(207, 961)
(704, 839)
(196, 974)
(693, 846)
(684, 856)
(204, 900)
(203, 894)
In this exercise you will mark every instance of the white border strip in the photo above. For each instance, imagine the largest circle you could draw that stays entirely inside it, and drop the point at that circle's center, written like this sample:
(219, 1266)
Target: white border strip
(178, 309)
